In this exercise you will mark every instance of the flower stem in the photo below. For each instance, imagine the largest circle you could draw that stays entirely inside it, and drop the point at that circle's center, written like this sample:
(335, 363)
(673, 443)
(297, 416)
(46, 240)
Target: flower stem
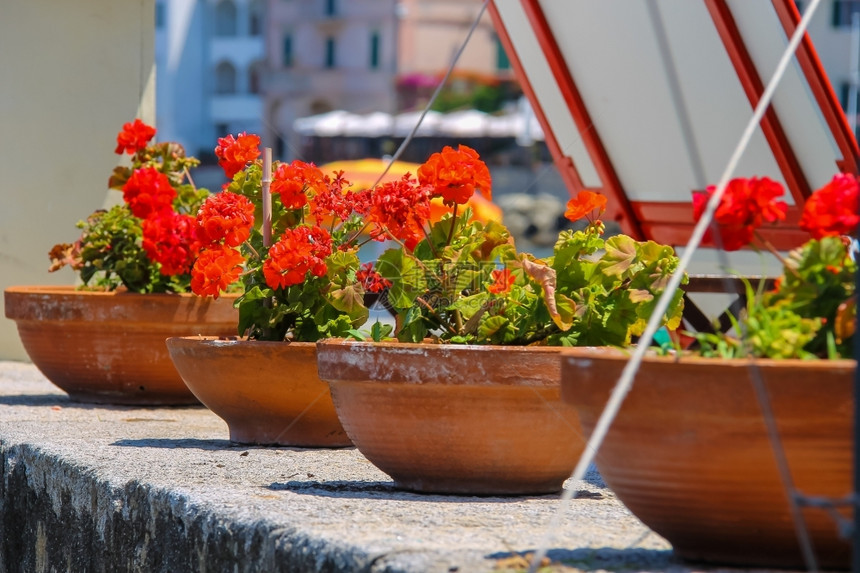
(453, 224)
(438, 318)
(769, 246)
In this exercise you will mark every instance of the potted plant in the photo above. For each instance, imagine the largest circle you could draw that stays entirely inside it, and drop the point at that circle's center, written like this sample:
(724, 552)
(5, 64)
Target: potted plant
(691, 451)
(291, 235)
(462, 394)
(103, 341)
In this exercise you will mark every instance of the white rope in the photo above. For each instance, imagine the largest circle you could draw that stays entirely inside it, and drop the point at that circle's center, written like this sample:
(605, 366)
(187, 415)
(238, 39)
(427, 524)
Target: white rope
(435, 95)
(625, 382)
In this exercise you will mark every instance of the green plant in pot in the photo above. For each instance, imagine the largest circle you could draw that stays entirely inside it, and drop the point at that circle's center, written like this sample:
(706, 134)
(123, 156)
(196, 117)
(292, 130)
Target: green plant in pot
(149, 242)
(103, 341)
(714, 443)
(811, 311)
(462, 393)
(290, 235)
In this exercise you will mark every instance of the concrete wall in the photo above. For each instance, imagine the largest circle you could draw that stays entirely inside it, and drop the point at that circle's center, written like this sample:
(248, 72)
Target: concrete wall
(73, 72)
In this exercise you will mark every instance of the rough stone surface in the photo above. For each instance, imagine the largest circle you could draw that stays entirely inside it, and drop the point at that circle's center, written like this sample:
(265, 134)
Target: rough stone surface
(113, 489)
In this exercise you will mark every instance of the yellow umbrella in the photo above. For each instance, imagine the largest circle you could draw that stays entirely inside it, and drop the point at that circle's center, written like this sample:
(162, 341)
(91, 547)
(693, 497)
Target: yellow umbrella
(363, 173)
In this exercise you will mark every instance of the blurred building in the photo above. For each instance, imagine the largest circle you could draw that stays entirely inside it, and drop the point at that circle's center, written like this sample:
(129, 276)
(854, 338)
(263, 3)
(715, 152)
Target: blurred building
(209, 61)
(368, 55)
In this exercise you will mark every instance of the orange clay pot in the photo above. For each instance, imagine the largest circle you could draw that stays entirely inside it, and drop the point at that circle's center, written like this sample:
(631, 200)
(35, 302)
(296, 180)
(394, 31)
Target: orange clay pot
(108, 347)
(689, 454)
(479, 420)
(267, 392)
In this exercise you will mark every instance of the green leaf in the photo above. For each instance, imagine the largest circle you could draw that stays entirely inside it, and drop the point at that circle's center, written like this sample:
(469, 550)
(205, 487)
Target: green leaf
(380, 331)
(407, 277)
(350, 300)
(620, 255)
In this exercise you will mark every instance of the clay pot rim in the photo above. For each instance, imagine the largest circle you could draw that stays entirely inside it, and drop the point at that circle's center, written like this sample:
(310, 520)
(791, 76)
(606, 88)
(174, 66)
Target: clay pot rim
(432, 347)
(74, 291)
(231, 342)
(613, 354)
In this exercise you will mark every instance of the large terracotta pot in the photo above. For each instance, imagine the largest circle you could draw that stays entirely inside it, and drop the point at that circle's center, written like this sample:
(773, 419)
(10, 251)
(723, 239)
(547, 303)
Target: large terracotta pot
(689, 454)
(267, 392)
(455, 419)
(108, 347)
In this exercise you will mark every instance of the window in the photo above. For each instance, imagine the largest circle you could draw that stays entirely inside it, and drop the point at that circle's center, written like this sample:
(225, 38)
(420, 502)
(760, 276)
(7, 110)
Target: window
(225, 78)
(374, 51)
(330, 7)
(255, 78)
(842, 12)
(288, 52)
(255, 18)
(225, 18)
(502, 61)
(159, 15)
(329, 53)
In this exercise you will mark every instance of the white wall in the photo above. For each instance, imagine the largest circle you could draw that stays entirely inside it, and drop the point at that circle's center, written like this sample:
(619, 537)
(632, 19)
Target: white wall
(73, 72)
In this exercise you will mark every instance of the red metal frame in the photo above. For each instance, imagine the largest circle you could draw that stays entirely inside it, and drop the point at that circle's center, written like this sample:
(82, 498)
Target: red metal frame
(672, 223)
(565, 166)
(618, 208)
(751, 82)
(807, 57)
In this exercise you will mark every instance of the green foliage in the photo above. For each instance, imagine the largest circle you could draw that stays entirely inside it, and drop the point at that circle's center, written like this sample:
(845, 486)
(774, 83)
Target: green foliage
(320, 307)
(810, 314)
(109, 255)
(590, 292)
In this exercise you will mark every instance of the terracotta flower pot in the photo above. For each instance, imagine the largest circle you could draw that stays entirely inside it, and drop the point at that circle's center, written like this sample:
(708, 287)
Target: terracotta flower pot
(689, 453)
(455, 419)
(108, 347)
(267, 392)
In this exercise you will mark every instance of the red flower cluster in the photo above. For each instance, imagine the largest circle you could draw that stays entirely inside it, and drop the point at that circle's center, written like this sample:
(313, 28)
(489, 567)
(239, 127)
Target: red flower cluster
(502, 282)
(215, 270)
(334, 200)
(171, 239)
(297, 252)
(148, 192)
(745, 206)
(370, 279)
(832, 210)
(224, 222)
(234, 153)
(293, 182)
(455, 174)
(226, 217)
(400, 208)
(584, 205)
(133, 137)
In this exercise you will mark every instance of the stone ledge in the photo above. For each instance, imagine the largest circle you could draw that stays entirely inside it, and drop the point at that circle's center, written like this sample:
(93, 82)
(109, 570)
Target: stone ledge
(101, 488)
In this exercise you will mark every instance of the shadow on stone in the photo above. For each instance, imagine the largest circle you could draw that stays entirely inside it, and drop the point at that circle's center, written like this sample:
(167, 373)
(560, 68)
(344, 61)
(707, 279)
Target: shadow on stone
(387, 490)
(602, 559)
(192, 443)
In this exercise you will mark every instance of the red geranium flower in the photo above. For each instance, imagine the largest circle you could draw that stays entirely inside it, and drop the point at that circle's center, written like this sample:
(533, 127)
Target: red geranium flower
(133, 137)
(400, 208)
(226, 216)
(292, 182)
(584, 204)
(832, 210)
(235, 153)
(745, 206)
(502, 282)
(215, 269)
(171, 239)
(297, 252)
(148, 191)
(454, 175)
(370, 279)
(333, 199)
